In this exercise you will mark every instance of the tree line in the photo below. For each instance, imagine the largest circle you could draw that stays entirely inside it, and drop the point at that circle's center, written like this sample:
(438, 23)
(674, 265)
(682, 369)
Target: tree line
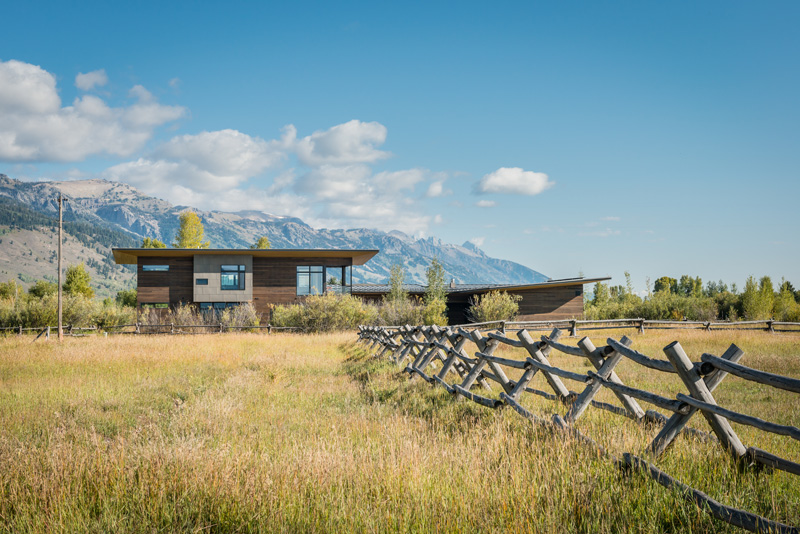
(687, 298)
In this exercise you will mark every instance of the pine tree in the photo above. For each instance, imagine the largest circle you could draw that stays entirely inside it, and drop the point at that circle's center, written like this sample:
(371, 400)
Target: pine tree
(190, 233)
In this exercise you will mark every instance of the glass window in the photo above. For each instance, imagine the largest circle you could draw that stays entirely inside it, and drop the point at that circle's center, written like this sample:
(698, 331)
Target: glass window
(158, 305)
(337, 279)
(155, 268)
(205, 305)
(232, 277)
(310, 279)
(201, 281)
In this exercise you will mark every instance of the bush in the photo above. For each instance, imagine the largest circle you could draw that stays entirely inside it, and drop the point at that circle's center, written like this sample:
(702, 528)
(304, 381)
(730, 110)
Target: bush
(325, 313)
(400, 312)
(493, 306)
(434, 312)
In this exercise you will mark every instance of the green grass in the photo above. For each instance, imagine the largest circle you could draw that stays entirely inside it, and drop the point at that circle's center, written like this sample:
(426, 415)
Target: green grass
(288, 433)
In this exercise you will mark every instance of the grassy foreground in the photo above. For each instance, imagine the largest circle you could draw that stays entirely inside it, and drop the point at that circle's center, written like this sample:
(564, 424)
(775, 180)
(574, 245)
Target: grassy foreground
(287, 433)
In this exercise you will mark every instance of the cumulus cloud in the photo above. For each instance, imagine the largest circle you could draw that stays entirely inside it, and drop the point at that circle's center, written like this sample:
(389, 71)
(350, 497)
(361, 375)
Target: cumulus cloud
(486, 203)
(90, 80)
(343, 144)
(436, 189)
(514, 180)
(36, 128)
(206, 162)
(334, 185)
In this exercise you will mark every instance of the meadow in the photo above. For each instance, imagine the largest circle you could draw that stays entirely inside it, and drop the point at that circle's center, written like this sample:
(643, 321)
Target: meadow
(308, 433)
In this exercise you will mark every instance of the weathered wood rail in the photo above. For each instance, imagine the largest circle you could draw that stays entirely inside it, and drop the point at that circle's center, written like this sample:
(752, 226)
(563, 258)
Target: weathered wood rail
(421, 349)
(145, 329)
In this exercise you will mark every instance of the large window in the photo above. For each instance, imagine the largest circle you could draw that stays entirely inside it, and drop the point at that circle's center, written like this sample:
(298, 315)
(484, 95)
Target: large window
(232, 277)
(316, 279)
(310, 279)
(161, 268)
(337, 280)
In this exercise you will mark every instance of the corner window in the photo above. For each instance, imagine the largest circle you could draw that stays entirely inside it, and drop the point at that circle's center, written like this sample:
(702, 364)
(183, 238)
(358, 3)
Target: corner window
(160, 268)
(232, 277)
(337, 280)
(201, 281)
(310, 279)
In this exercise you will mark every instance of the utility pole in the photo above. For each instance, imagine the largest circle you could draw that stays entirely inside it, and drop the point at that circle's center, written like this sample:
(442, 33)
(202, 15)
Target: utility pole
(60, 328)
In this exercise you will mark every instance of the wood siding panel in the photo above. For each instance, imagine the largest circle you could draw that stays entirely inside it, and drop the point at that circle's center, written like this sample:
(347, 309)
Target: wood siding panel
(541, 304)
(275, 279)
(178, 279)
(152, 295)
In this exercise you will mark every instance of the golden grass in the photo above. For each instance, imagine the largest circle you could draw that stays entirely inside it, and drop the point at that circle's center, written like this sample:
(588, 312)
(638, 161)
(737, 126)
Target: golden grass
(287, 433)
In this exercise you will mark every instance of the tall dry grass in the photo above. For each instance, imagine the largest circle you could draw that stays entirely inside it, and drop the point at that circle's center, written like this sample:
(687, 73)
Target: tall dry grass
(288, 433)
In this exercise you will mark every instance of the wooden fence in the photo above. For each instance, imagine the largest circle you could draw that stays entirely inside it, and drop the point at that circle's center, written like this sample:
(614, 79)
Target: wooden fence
(142, 328)
(421, 349)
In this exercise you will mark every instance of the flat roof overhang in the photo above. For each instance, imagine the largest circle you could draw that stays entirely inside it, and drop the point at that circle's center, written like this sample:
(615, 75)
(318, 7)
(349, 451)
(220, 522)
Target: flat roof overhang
(382, 289)
(132, 255)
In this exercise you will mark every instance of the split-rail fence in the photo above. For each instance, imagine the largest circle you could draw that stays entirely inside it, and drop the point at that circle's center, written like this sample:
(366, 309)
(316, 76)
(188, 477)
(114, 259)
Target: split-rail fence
(432, 353)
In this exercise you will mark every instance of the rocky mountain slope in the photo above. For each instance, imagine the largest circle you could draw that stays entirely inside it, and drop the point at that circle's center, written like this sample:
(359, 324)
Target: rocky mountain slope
(126, 216)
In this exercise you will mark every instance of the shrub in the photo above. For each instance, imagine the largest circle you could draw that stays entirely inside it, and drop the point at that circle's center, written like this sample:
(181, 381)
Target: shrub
(400, 312)
(434, 312)
(493, 306)
(325, 313)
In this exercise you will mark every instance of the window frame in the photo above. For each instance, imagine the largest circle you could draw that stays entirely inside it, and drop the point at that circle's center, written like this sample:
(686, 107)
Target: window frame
(155, 268)
(238, 275)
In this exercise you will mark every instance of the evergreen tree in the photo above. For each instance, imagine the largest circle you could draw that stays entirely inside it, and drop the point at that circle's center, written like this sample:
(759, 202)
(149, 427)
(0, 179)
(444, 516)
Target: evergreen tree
(262, 243)
(78, 282)
(190, 233)
(148, 242)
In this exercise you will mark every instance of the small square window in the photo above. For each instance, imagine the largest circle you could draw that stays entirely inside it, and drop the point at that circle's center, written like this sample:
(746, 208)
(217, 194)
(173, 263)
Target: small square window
(201, 281)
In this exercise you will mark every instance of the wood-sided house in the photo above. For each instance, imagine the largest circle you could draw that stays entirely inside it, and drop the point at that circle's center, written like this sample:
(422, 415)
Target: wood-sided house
(219, 278)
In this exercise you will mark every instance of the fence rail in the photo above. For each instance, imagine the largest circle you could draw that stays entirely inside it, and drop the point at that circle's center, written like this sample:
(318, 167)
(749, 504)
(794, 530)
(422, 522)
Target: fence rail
(142, 329)
(420, 350)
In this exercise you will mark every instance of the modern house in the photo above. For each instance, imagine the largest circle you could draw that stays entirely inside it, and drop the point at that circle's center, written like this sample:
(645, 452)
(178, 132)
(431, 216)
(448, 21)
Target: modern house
(219, 278)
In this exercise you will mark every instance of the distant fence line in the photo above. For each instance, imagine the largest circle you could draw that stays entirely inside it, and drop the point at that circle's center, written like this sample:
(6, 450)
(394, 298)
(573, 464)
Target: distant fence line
(141, 328)
(423, 346)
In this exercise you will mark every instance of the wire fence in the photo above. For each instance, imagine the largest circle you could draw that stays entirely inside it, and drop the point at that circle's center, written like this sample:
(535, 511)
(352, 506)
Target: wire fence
(425, 349)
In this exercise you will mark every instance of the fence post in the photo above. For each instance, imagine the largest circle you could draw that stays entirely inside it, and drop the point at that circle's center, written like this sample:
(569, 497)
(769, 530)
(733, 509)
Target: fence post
(698, 389)
(20, 329)
(220, 327)
(770, 329)
(269, 328)
(573, 328)
(171, 328)
(47, 336)
(137, 329)
(641, 326)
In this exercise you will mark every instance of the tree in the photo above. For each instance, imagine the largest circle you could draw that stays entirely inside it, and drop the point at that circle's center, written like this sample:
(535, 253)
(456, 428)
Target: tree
(601, 294)
(10, 290)
(435, 298)
(42, 288)
(262, 243)
(148, 242)
(397, 277)
(77, 281)
(126, 297)
(436, 286)
(690, 287)
(190, 233)
(665, 283)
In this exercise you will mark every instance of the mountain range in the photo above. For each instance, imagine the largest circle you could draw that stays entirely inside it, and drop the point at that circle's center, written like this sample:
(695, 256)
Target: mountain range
(101, 214)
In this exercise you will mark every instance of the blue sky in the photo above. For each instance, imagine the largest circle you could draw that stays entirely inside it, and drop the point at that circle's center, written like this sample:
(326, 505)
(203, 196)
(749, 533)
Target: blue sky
(659, 138)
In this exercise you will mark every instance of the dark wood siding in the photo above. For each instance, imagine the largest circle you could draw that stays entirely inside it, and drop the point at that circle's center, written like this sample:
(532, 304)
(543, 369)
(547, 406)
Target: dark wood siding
(275, 279)
(540, 304)
(177, 281)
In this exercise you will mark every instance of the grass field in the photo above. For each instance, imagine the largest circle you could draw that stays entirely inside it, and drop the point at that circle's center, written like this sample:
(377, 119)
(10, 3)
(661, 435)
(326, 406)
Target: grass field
(287, 433)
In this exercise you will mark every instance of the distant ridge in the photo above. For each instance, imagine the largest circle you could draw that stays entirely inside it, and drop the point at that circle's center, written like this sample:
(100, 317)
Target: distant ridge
(126, 214)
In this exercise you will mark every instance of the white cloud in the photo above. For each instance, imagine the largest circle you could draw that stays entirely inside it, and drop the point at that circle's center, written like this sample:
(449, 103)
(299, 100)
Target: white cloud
(174, 83)
(343, 144)
(514, 180)
(611, 219)
(90, 80)
(486, 203)
(478, 241)
(206, 162)
(36, 128)
(436, 189)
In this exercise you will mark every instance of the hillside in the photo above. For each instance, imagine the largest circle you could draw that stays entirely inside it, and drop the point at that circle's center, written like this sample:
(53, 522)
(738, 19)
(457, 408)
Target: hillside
(114, 214)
